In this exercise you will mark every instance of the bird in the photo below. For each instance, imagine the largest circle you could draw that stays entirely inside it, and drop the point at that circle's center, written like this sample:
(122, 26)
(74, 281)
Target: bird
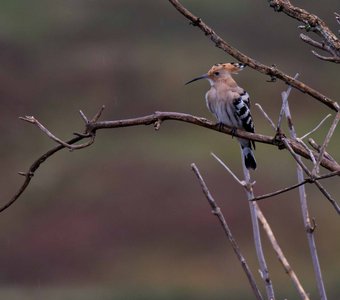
(230, 104)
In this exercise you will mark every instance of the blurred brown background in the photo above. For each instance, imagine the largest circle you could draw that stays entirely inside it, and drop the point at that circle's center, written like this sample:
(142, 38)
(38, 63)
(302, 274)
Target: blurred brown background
(125, 218)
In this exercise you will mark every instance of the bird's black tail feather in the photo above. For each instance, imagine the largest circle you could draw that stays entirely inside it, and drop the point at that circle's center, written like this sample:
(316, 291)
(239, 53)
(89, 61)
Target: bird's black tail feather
(249, 158)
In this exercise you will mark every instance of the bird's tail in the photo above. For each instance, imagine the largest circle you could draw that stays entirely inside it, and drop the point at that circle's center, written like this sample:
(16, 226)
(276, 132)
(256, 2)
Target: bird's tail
(248, 156)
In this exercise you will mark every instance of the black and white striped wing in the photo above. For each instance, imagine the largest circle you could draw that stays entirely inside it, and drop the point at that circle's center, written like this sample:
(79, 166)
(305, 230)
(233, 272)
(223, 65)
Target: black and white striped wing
(242, 111)
(245, 98)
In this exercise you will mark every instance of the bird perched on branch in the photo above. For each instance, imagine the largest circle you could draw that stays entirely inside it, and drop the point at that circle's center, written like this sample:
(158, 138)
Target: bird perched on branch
(230, 104)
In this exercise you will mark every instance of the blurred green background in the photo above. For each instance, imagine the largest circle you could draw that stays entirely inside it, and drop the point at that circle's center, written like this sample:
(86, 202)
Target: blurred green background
(125, 218)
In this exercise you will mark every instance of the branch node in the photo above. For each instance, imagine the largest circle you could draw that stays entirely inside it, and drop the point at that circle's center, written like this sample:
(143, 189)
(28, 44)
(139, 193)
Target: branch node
(26, 174)
(196, 22)
(278, 140)
(216, 211)
(29, 119)
(311, 226)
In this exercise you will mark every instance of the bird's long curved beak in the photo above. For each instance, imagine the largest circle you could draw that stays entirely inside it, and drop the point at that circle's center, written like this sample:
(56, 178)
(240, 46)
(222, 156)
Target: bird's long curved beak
(204, 76)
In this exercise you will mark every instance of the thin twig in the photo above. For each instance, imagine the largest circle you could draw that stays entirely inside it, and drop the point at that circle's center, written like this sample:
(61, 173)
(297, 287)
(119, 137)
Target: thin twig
(280, 255)
(311, 154)
(337, 17)
(32, 120)
(325, 143)
(269, 195)
(270, 121)
(272, 71)
(256, 233)
(31, 171)
(305, 212)
(334, 59)
(284, 95)
(218, 213)
(323, 46)
(312, 23)
(241, 182)
(294, 186)
(305, 169)
(316, 128)
(317, 147)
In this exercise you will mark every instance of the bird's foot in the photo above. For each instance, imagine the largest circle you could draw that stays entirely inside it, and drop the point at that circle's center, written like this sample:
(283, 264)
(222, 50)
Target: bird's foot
(220, 126)
(233, 131)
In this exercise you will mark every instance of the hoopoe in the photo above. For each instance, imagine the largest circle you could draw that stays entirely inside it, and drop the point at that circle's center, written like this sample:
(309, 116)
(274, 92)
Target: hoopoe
(230, 104)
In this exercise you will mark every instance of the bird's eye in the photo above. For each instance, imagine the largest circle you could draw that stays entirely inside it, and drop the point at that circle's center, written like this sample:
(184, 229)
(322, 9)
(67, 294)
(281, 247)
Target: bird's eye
(217, 73)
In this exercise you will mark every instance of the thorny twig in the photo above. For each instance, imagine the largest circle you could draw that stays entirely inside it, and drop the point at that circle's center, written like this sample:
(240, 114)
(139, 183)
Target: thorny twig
(218, 213)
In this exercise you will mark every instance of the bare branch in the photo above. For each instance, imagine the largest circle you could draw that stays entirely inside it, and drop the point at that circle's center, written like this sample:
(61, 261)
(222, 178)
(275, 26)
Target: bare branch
(157, 118)
(284, 96)
(320, 187)
(256, 233)
(312, 23)
(283, 260)
(31, 171)
(272, 71)
(316, 128)
(256, 230)
(294, 186)
(334, 59)
(241, 182)
(310, 41)
(317, 147)
(32, 120)
(305, 212)
(269, 195)
(328, 175)
(257, 213)
(85, 119)
(163, 116)
(98, 114)
(270, 121)
(325, 143)
(337, 17)
(311, 154)
(218, 213)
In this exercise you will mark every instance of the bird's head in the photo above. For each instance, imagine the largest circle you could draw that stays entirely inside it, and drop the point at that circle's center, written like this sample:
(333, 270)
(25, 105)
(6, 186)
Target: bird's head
(220, 71)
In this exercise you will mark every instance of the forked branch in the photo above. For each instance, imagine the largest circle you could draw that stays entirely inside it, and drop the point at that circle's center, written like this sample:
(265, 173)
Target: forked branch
(218, 213)
(312, 23)
(154, 119)
(272, 71)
